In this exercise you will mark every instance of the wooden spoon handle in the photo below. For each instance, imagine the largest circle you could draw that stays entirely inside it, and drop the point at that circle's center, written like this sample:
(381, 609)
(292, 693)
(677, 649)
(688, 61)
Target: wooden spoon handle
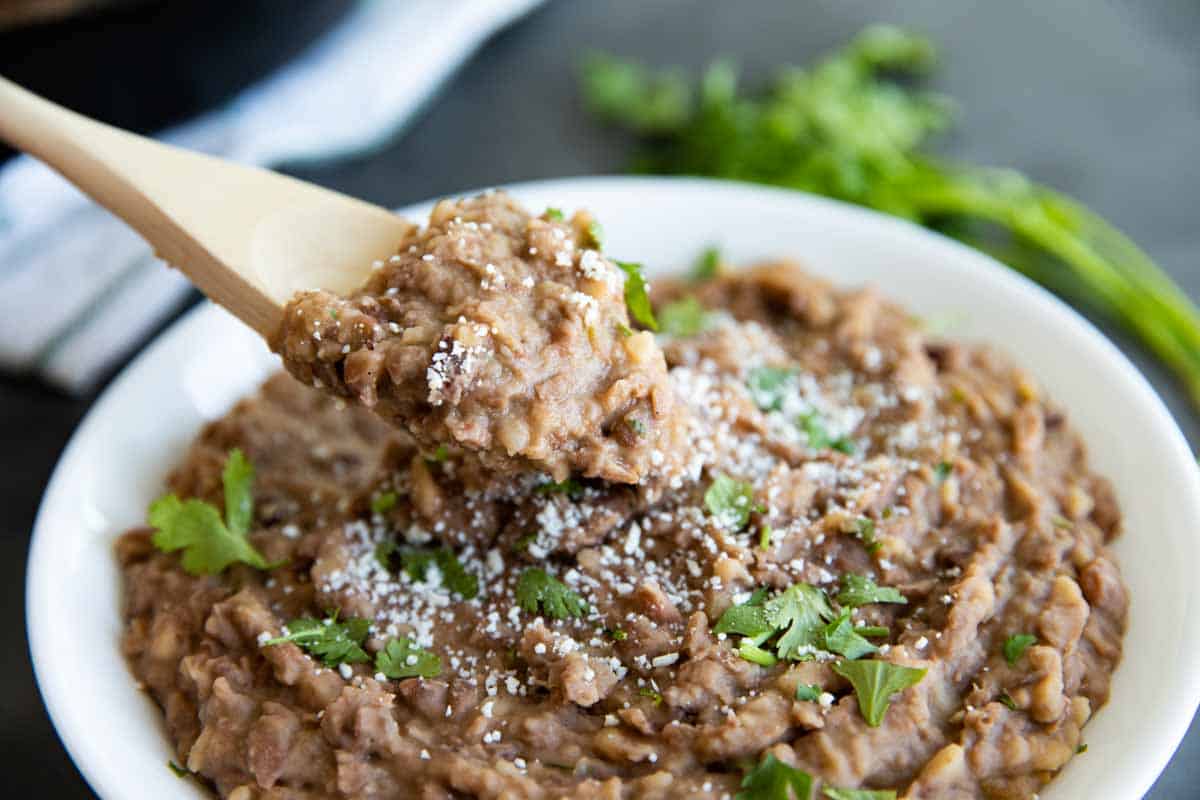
(247, 237)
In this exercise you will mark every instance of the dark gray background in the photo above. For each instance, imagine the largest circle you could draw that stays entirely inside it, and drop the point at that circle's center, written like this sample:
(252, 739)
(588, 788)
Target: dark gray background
(1099, 99)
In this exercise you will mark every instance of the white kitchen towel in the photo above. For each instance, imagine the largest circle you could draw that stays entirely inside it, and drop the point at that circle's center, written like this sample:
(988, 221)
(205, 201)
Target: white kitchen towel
(78, 289)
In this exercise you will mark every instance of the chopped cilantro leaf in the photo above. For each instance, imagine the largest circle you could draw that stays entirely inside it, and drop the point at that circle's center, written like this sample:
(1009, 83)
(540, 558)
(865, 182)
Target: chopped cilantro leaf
(636, 298)
(439, 455)
(774, 780)
(858, 794)
(383, 503)
(747, 619)
(554, 214)
(636, 425)
(731, 502)
(755, 654)
(209, 544)
(454, 576)
(618, 634)
(593, 235)
(333, 642)
(864, 527)
(818, 437)
(809, 692)
(180, 772)
(801, 613)
(401, 658)
(942, 470)
(874, 684)
(859, 590)
(707, 266)
(1081, 749)
(769, 385)
(842, 638)
(764, 537)
(1016, 645)
(570, 487)
(383, 553)
(654, 696)
(333, 314)
(683, 317)
(1007, 700)
(625, 330)
(537, 587)
(522, 544)
(871, 630)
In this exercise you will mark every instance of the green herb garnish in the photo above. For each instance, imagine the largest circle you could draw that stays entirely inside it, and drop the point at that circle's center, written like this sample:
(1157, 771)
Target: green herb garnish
(864, 528)
(654, 696)
(731, 502)
(593, 235)
(618, 634)
(1006, 699)
(333, 642)
(454, 576)
(859, 590)
(636, 297)
(858, 794)
(707, 266)
(764, 537)
(772, 779)
(180, 772)
(843, 129)
(800, 613)
(769, 386)
(818, 437)
(209, 543)
(401, 658)
(636, 425)
(683, 317)
(841, 637)
(942, 470)
(874, 684)
(1081, 749)
(554, 214)
(383, 503)
(1016, 645)
(537, 587)
(808, 692)
(570, 487)
(439, 455)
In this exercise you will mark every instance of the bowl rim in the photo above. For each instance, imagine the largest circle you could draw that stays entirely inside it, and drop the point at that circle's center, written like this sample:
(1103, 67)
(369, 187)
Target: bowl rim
(41, 585)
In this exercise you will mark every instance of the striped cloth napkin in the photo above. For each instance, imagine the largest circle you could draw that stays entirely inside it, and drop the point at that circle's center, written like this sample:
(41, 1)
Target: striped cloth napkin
(78, 290)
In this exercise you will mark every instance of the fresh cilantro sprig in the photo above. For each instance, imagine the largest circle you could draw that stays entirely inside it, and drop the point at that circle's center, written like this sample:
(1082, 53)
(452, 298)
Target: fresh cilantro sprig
(209, 543)
(383, 502)
(637, 299)
(333, 642)
(772, 779)
(731, 502)
(536, 587)
(570, 487)
(808, 692)
(864, 528)
(401, 658)
(874, 684)
(813, 425)
(707, 266)
(769, 386)
(841, 637)
(858, 794)
(860, 590)
(683, 317)
(417, 562)
(1016, 645)
(844, 129)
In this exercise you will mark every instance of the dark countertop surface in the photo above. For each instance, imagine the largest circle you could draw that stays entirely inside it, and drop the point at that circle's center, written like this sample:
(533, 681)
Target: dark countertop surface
(1099, 99)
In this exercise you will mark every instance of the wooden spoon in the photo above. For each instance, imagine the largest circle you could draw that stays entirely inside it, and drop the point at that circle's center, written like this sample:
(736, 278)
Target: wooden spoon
(247, 237)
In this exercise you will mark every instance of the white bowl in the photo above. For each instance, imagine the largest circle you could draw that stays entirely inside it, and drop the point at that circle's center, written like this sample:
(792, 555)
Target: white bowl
(114, 464)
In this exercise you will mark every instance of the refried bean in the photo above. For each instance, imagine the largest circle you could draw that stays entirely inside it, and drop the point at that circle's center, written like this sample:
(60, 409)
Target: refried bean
(578, 602)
